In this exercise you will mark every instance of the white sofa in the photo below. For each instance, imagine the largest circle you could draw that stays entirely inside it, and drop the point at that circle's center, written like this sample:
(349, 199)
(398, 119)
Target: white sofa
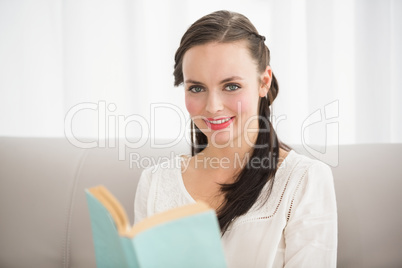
(44, 220)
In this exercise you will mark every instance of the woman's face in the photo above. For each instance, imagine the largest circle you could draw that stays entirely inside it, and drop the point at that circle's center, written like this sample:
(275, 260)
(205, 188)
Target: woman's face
(223, 88)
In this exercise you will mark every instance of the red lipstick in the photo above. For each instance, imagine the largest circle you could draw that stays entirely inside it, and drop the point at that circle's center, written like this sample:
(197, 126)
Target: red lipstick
(219, 123)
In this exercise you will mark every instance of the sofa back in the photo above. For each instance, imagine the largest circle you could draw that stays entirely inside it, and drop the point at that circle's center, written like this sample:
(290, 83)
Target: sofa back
(45, 220)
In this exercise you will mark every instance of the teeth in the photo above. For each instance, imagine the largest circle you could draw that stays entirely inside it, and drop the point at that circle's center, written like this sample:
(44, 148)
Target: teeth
(219, 121)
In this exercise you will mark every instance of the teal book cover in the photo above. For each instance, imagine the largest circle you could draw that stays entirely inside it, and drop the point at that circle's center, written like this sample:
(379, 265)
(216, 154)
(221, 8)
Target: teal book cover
(187, 236)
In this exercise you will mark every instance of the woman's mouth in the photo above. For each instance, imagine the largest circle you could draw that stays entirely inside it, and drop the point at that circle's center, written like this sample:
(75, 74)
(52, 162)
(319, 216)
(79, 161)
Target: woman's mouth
(219, 123)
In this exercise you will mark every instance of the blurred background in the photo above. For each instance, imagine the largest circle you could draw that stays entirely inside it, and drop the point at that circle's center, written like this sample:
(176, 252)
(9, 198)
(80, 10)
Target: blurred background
(103, 69)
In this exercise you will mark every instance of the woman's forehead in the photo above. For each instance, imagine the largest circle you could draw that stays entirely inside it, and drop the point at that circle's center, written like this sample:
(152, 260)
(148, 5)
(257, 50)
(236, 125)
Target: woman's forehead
(219, 60)
(214, 49)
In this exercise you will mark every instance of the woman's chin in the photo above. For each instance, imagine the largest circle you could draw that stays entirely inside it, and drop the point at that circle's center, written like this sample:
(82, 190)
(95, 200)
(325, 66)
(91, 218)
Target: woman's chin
(221, 139)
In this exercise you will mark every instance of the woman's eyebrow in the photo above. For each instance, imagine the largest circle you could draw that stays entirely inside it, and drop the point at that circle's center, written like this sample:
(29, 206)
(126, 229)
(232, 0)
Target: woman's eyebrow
(231, 79)
(190, 81)
(222, 82)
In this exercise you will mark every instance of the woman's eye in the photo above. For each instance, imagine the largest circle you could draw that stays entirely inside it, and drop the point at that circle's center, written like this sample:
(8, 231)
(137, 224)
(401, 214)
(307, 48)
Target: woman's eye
(232, 87)
(195, 89)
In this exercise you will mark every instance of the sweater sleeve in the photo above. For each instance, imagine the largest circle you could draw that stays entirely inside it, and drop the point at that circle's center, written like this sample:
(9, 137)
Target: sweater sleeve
(311, 231)
(141, 196)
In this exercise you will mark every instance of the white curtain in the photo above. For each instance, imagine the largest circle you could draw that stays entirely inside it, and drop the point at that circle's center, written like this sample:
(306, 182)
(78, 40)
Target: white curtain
(103, 69)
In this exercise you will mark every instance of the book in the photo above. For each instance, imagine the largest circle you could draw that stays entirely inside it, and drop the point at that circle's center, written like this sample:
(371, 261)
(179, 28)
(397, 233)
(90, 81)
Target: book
(187, 236)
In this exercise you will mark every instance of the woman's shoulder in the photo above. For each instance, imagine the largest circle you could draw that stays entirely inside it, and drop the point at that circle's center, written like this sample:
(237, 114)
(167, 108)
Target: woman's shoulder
(158, 172)
(161, 166)
(310, 187)
(300, 175)
(299, 165)
(307, 178)
(162, 185)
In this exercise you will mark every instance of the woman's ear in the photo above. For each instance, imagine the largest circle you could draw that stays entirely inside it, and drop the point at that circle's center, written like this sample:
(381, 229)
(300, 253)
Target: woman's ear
(266, 79)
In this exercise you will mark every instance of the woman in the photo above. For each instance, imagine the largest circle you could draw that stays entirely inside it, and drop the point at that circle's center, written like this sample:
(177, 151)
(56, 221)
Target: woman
(275, 207)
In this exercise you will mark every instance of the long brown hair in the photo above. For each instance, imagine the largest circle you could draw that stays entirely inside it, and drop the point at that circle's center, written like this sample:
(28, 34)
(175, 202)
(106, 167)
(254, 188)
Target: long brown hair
(225, 27)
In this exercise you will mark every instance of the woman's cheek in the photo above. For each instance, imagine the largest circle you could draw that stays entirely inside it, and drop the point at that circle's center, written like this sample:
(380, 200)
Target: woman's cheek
(193, 106)
(240, 104)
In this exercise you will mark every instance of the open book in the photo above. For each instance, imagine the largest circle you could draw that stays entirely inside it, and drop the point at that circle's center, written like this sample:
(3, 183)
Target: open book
(187, 236)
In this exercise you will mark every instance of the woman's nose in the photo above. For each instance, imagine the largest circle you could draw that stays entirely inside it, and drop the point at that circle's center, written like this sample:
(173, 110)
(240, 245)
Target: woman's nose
(214, 103)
